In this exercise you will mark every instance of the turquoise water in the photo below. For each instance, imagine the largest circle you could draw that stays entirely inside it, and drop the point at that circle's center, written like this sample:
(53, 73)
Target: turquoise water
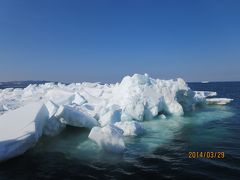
(161, 152)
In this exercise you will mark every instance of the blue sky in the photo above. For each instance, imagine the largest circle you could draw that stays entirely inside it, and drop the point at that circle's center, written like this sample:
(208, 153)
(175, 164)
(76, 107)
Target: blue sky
(93, 40)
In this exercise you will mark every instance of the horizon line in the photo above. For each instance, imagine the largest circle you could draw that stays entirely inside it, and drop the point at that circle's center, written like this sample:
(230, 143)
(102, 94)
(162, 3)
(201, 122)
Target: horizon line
(46, 81)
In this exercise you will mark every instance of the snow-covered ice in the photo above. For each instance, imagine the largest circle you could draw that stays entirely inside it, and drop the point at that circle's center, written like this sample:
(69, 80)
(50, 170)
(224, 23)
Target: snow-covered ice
(70, 116)
(109, 110)
(52, 126)
(109, 138)
(218, 101)
(110, 117)
(78, 99)
(206, 93)
(59, 96)
(20, 129)
(130, 128)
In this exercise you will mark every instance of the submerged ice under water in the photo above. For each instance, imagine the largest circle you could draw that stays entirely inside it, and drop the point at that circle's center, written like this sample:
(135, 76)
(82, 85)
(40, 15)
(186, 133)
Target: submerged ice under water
(162, 151)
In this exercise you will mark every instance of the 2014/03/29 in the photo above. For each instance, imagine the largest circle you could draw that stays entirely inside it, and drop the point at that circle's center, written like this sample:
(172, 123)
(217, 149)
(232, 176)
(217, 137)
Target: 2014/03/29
(196, 154)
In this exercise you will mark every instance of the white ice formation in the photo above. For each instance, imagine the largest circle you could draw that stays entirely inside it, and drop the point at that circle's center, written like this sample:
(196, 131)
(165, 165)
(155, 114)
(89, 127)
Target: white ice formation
(130, 128)
(73, 117)
(205, 93)
(21, 129)
(109, 138)
(111, 111)
(218, 101)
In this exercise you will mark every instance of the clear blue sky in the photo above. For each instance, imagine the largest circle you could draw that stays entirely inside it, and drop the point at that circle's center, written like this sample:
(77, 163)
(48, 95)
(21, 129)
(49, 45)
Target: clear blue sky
(98, 40)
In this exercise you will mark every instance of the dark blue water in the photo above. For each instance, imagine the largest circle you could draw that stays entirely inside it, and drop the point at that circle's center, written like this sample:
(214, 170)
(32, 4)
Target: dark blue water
(162, 153)
(19, 84)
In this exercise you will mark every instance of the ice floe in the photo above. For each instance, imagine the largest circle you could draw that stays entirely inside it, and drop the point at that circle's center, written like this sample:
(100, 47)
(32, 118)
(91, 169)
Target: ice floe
(130, 128)
(21, 129)
(206, 93)
(109, 138)
(218, 101)
(111, 111)
(52, 126)
(70, 116)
